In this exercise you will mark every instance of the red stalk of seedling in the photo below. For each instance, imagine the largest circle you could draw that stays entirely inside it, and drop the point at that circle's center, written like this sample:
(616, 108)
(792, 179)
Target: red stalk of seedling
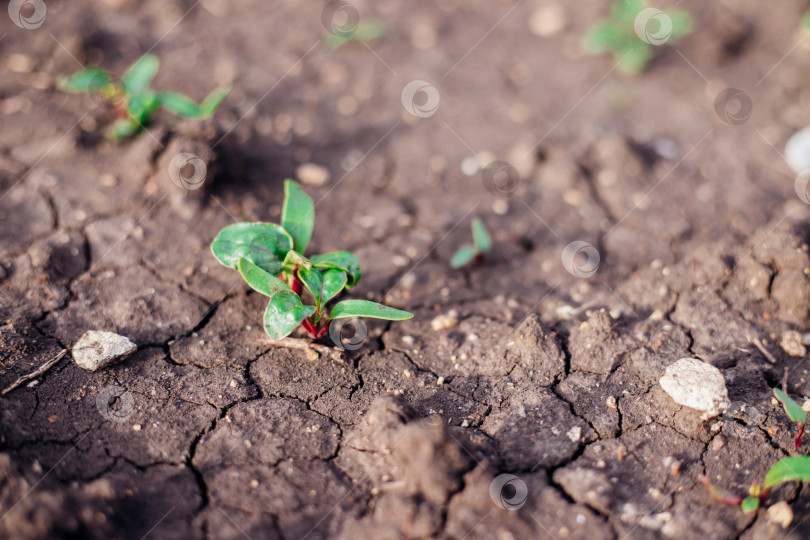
(798, 441)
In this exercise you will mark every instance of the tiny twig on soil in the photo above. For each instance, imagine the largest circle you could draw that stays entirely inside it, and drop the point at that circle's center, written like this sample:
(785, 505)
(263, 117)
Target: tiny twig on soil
(758, 344)
(36, 373)
(312, 350)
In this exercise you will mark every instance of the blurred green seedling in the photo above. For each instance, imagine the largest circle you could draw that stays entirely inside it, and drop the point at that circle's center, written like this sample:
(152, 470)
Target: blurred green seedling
(632, 32)
(794, 412)
(789, 469)
(270, 258)
(482, 244)
(366, 30)
(134, 102)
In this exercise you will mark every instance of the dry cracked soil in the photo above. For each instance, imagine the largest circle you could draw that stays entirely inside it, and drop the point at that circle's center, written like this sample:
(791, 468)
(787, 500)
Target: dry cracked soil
(545, 374)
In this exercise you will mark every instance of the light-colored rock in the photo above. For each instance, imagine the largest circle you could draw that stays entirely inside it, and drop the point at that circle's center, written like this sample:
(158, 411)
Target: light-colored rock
(791, 343)
(547, 21)
(97, 349)
(445, 321)
(781, 514)
(312, 174)
(797, 151)
(695, 384)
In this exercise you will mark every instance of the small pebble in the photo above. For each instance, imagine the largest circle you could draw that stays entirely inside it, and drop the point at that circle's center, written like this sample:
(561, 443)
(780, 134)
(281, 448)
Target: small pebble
(797, 151)
(791, 343)
(312, 174)
(695, 384)
(445, 321)
(136, 427)
(611, 402)
(717, 443)
(574, 433)
(780, 514)
(98, 349)
(547, 21)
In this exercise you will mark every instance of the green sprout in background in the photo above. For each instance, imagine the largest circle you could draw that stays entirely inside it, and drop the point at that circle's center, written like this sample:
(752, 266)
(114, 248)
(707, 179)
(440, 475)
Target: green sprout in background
(366, 30)
(134, 102)
(482, 244)
(262, 251)
(632, 31)
(794, 412)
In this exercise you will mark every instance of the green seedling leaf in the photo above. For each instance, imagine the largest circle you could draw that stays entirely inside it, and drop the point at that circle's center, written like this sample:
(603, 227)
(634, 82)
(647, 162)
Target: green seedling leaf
(749, 504)
(334, 281)
(285, 311)
(789, 469)
(681, 23)
(140, 74)
(463, 256)
(603, 37)
(298, 215)
(632, 57)
(793, 409)
(794, 412)
(481, 239)
(264, 244)
(88, 80)
(366, 30)
(141, 107)
(294, 260)
(364, 308)
(186, 107)
(312, 278)
(342, 260)
(806, 21)
(123, 128)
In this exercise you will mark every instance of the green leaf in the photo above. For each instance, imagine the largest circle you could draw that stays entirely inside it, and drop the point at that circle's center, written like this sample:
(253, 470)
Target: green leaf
(312, 278)
(137, 78)
(264, 244)
(186, 107)
(681, 24)
(364, 308)
(123, 128)
(793, 409)
(141, 107)
(463, 256)
(342, 260)
(366, 30)
(749, 504)
(806, 20)
(481, 239)
(633, 57)
(605, 36)
(334, 281)
(285, 311)
(297, 215)
(293, 259)
(92, 79)
(626, 10)
(789, 469)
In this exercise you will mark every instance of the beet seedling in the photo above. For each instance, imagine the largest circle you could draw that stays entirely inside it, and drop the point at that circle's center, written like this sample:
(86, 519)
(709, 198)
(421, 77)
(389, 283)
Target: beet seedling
(794, 412)
(482, 244)
(262, 251)
(621, 34)
(134, 102)
(789, 469)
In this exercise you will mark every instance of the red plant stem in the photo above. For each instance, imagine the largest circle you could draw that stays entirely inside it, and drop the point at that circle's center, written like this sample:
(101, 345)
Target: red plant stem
(799, 436)
(323, 329)
(309, 327)
(296, 286)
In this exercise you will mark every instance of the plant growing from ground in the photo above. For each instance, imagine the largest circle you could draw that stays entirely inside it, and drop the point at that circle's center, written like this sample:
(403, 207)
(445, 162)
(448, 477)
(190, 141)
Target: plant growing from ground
(481, 245)
(794, 412)
(134, 102)
(789, 469)
(632, 37)
(366, 30)
(270, 258)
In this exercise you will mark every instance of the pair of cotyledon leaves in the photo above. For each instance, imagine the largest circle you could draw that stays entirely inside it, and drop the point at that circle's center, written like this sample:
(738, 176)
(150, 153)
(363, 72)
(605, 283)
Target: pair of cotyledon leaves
(261, 251)
(140, 102)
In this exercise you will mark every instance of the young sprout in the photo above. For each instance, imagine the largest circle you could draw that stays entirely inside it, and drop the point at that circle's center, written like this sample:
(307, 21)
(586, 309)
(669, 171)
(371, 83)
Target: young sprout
(794, 412)
(135, 103)
(366, 30)
(621, 33)
(789, 469)
(270, 258)
(482, 244)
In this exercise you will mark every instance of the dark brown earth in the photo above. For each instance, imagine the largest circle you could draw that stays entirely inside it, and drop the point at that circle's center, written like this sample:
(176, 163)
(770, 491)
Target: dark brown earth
(547, 376)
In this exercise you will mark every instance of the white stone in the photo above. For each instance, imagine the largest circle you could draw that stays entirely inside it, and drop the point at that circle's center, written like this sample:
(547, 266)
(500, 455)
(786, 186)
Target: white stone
(312, 174)
(98, 349)
(797, 151)
(695, 384)
(443, 322)
(781, 514)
